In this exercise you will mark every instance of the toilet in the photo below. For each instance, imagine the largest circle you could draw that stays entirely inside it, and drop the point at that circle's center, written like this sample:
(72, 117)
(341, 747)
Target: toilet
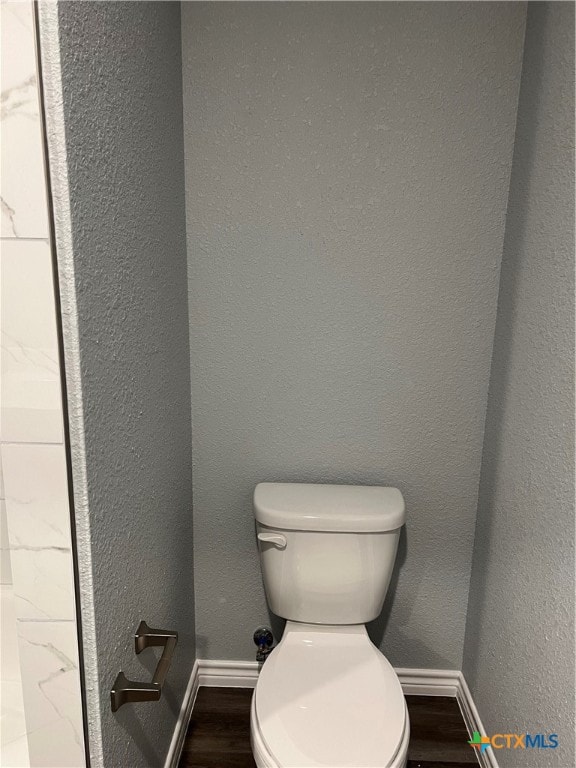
(326, 696)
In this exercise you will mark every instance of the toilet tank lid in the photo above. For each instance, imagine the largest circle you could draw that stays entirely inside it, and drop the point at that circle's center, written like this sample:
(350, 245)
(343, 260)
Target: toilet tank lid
(336, 508)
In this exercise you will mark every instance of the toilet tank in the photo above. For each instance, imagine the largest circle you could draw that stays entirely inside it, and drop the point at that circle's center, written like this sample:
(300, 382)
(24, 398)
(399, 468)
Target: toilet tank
(327, 551)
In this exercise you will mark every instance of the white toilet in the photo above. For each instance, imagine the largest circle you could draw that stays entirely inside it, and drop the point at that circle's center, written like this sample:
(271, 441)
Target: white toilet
(326, 696)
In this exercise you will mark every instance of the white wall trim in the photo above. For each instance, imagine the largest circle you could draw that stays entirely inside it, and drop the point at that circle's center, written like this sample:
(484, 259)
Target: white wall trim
(473, 722)
(429, 682)
(177, 743)
(51, 70)
(244, 674)
(229, 674)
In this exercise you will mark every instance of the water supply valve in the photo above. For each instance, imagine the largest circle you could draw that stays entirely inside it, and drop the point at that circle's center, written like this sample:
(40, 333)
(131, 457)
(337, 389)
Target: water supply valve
(264, 639)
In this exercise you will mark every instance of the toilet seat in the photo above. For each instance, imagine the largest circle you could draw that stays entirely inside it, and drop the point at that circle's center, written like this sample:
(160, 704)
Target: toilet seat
(327, 697)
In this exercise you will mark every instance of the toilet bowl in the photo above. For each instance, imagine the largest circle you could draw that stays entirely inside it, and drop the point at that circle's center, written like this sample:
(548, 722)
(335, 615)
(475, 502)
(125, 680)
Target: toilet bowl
(327, 697)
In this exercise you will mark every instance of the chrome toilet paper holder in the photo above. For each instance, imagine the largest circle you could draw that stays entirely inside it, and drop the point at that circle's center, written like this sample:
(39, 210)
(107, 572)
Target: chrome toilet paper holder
(126, 691)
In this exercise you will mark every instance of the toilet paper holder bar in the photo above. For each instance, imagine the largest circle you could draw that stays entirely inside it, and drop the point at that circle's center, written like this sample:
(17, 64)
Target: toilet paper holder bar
(126, 691)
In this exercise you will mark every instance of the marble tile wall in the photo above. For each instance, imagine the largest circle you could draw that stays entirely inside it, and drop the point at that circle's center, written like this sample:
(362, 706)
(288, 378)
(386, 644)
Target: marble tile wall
(37, 566)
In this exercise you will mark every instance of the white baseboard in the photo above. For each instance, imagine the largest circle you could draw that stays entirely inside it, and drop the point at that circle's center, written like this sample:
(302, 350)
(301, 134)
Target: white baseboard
(229, 674)
(429, 682)
(471, 716)
(244, 674)
(177, 743)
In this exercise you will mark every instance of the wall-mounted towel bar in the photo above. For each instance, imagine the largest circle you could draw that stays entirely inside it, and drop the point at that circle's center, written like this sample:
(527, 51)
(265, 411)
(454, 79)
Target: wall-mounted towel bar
(126, 691)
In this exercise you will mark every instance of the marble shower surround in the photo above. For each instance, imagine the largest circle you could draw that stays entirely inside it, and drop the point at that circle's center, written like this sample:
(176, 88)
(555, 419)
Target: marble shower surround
(37, 558)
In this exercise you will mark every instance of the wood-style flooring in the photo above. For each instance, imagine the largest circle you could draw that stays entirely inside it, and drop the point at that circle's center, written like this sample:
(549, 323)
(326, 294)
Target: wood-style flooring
(219, 732)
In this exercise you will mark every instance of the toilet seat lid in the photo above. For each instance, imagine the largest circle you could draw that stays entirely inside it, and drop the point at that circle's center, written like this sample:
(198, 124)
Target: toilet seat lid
(328, 697)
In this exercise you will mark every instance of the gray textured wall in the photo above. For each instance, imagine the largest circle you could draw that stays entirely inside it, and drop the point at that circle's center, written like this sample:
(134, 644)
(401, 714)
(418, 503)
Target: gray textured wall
(347, 170)
(123, 281)
(519, 651)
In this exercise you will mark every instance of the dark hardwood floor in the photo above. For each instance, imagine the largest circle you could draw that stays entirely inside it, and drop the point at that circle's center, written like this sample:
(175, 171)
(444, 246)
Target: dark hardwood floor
(219, 732)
